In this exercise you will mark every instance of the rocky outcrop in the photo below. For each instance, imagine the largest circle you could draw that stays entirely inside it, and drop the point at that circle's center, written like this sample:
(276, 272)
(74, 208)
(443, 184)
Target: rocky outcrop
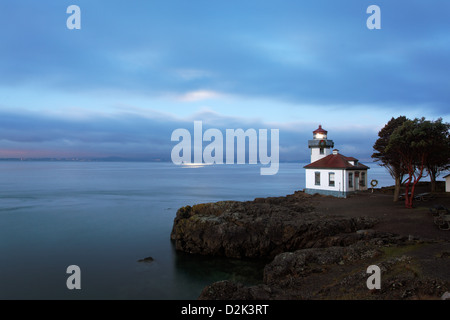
(147, 260)
(262, 228)
(340, 273)
(314, 254)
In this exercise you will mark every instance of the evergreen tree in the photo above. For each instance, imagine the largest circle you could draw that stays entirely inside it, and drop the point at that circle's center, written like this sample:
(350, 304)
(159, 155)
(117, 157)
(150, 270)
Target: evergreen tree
(438, 159)
(416, 142)
(390, 160)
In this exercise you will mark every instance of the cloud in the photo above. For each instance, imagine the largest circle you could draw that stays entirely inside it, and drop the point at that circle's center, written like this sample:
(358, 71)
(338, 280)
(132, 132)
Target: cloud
(193, 74)
(143, 70)
(199, 95)
(316, 53)
(130, 136)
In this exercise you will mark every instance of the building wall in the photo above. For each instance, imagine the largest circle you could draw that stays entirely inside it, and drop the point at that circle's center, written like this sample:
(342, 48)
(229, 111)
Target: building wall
(447, 184)
(324, 185)
(315, 154)
(341, 181)
(355, 181)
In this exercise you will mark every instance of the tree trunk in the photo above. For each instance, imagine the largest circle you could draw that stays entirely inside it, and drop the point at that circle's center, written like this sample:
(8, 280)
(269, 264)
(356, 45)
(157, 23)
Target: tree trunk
(408, 199)
(398, 184)
(433, 184)
(432, 180)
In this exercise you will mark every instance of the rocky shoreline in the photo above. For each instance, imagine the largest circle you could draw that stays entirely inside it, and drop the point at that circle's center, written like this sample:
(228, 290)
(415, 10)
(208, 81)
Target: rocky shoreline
(314, 254)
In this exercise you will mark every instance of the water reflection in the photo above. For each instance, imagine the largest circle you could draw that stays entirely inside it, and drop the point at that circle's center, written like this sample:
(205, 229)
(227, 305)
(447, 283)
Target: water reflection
(197, 271)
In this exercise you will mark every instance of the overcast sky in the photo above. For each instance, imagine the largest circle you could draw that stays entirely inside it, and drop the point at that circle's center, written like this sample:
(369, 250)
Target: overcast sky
(137, 70)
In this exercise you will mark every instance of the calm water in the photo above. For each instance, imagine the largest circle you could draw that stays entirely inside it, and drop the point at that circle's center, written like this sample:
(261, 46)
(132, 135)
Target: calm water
(104, 217)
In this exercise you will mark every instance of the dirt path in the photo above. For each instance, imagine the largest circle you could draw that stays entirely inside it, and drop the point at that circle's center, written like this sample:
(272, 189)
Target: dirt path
(393, 216)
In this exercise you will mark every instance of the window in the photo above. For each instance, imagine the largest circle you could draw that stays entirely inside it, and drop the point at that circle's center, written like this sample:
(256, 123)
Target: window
(321, 151)
(317, 178)
(362, 181)
(350, 180)
(331, 179)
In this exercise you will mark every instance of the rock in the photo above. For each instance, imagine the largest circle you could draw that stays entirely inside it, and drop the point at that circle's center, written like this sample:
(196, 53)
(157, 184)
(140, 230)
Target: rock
(304, 262)
(261, 228)
(365, 232)
(147, 260)
(313, 255)
(446, 296)
(335, 273)
(228, 290)
(225, 290)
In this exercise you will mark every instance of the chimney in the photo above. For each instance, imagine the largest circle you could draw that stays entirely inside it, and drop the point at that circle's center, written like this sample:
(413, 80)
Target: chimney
(335, 151)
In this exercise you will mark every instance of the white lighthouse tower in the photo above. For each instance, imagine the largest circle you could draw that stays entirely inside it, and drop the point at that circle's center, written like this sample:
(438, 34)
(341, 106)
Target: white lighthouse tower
(320, 146)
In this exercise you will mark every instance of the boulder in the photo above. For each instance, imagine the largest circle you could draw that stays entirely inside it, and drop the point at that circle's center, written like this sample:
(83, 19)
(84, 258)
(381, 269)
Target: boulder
(339, 273)
(262, 228)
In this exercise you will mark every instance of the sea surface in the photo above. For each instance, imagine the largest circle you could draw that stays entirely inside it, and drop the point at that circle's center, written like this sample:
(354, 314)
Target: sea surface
(105, 216)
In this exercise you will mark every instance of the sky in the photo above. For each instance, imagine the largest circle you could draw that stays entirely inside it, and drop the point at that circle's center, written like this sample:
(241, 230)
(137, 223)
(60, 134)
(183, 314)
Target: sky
(137, 70)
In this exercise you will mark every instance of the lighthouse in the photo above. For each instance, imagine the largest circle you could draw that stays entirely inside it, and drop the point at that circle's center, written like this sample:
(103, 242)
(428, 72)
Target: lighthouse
(320, 146)
(332, 173)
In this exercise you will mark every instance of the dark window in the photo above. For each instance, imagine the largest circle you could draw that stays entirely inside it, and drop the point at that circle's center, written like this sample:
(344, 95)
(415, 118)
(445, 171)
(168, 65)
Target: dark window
(350, 180)
(362, 181)
(331, 179)
(321, 151)
(317, 178)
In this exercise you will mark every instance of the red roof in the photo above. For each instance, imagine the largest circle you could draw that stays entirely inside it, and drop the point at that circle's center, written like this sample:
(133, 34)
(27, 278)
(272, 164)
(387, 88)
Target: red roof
(320, 130)
(336, 161)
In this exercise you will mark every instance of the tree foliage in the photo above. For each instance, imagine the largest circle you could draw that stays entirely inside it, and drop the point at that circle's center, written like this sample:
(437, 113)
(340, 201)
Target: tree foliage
(390, 160)
(411, 148)
(439, 157)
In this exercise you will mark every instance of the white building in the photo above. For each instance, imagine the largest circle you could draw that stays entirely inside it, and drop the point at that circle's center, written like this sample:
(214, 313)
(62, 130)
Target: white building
(447, 183)
(331, 173)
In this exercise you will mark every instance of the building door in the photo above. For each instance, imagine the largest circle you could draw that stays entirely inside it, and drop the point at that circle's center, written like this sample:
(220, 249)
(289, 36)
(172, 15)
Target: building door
(356, 180)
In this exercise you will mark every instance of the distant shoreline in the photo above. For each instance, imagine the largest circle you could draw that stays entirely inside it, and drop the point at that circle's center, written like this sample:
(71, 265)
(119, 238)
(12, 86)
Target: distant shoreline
(119, 159)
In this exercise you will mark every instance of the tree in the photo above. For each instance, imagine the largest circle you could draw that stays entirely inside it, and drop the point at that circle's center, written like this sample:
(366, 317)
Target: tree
(439, 157)
(413, 142)
(390, 160)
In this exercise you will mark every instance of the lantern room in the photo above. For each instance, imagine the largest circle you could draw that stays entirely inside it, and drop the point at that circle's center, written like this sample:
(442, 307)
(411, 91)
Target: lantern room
(320, 134)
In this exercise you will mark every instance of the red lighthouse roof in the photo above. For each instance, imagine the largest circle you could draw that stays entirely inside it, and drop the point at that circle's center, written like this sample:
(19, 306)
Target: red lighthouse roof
(320, 130)
(336, 161)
